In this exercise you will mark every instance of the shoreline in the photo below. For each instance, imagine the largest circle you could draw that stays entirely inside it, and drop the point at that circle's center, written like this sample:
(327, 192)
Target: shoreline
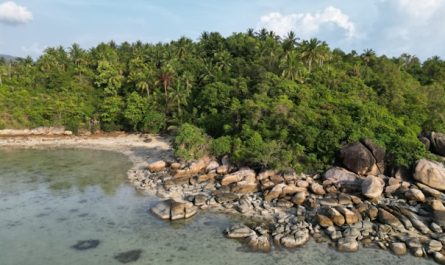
(278, 209)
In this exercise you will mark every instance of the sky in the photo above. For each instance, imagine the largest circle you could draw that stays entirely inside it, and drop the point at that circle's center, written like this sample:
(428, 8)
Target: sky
(389, 27)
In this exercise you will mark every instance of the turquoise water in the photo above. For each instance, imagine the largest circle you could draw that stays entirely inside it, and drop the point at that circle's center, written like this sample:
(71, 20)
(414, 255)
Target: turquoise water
(50, 200)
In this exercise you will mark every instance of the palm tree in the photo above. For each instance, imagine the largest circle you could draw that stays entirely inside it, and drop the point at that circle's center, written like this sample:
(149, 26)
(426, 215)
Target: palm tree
(291, 67)
(165, 77)
(368, 55)
(290, 41)
(314, 51)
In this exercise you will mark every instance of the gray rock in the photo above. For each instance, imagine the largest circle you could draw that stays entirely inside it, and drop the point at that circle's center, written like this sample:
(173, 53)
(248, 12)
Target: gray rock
(347, 244)
(398, 248)
(430, 173)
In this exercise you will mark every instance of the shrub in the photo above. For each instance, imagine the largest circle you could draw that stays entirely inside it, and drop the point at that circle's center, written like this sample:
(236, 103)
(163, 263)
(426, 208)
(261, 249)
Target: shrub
(191, 142)
(221, 146)
(153, 122)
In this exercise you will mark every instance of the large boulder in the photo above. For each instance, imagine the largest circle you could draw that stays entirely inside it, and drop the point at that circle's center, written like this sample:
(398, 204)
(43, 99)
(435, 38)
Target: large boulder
(372, 187)
(437, 143)
(240, 175)
(363, 158)
(342, 178)
(430, 173)
(157, 166)
(174, 209)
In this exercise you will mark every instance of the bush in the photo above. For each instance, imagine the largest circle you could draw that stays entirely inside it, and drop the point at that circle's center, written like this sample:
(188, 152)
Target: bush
(153, 122)
(191, 142)
(221, 146)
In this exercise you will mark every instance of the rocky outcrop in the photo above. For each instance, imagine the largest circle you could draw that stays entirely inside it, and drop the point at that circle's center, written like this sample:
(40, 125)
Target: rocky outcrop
(363, 158)
(437, 143)
(343, 178)
(430, 173)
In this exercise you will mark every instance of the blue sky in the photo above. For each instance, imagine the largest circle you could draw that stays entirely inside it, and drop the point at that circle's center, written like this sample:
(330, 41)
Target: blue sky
(390, 27)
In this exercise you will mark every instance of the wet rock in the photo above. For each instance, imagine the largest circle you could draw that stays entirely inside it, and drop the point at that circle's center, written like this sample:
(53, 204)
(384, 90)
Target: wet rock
(129, 256)
(430, 173)
(398, 248)
(298, 239)
(157, 166)
(348, 244)
(259, 243)
(174, 210)
(372, 187)
(239, 231)
(86, 244)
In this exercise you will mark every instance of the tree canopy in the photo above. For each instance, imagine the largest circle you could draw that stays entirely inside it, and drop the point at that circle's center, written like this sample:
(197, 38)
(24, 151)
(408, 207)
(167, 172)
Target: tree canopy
(265, 100)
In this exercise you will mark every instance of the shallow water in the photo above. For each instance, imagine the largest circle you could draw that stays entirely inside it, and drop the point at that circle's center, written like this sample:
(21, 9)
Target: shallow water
(51, 200)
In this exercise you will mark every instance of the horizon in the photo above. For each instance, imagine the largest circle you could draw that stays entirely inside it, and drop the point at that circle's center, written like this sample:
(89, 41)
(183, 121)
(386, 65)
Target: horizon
(389, 27)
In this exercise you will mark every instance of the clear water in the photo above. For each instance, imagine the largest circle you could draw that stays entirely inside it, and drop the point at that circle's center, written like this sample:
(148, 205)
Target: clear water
(50, 200)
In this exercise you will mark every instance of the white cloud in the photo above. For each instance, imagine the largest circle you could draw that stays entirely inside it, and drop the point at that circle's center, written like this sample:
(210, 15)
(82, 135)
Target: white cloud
(308, 24)
(419, 9)
(13, 14)
(34, 49)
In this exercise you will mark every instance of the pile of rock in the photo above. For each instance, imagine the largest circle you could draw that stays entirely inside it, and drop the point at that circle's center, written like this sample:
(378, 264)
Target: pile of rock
(348, 204)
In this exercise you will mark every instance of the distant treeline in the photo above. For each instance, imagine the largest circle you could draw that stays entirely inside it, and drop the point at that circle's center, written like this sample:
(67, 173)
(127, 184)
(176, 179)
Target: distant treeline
(265, 100)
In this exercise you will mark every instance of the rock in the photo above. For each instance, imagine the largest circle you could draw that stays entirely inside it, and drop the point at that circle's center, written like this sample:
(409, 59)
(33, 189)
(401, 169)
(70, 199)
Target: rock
(225, 197)
(437, 142)
(213, 165)
(266, 174)
(299, 197)
(175, 166)
(388, 218)
(162, 210)
(378, 154)
(350, 216)
(415, 195)
(324, 221)
(245, 187)
(438, 212)
(430, 173)
(343, 178)
(358, 158)
(398, 248)
(200, 199)
(433, 246)
(436, 228)
(439, 257)
(302, 183)
(348, 244)
(259, 243)
(317, 189)
(298, 239)
(275, 192)
(243, 174)
(174, 210)
(372, 187)
(337, 218)
(224, 169)
(157, 166)
(430, 191)
(128, 256)
(239, 231)
(291, 190)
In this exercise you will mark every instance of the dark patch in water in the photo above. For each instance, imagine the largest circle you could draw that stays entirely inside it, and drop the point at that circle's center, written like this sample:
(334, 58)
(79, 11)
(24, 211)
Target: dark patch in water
(86, 244)
(42, 215)
(74, 210)
(61, 219)
(182, 249)
(83, 215)
(83, 201)
(129, 256)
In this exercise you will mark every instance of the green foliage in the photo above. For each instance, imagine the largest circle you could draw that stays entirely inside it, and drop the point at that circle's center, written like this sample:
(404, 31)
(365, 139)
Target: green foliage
(221, 146)
(191, 142)
(153, 122)
(267, 101)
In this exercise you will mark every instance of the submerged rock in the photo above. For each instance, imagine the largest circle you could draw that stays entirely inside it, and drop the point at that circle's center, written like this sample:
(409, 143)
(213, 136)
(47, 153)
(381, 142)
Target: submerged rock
(129, 256)
(174, 210)
(239, 231)
(86, 244)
